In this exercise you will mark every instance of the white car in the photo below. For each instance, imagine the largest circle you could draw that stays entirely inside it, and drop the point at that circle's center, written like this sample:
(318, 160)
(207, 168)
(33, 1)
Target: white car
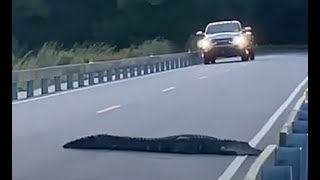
(226, 39)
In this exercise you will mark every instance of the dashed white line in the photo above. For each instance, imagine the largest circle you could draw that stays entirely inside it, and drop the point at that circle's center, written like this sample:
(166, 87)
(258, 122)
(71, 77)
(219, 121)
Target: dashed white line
(108, 109)
(168, 89)
(203, 77)
(237, 162)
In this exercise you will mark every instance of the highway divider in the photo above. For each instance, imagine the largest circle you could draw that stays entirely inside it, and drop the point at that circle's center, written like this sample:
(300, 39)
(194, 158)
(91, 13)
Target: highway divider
(289, 159)
(97, 72)
(41, 81)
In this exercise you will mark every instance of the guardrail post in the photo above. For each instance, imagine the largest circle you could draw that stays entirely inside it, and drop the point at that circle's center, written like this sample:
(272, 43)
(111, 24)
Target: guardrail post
(172, 64)
(14, 91)
(302, 115)
(181, 63)
(91, 78)
(276, 172)
(29, 88)
(188, 62)
(157, 67)
(125, 72)
(117, 73)
(151, 68)
(70, 81)
(145, 69)
(132, 71)
(184, 63)
(290, 156)
(176, 62)
(167, 65)
(81, 80)
(100, 76)
(139, 70)
(109, 75)
(282, 138)
(300, 140)
(57, 83)
(300, 127)
(44, 86)
(162, 66)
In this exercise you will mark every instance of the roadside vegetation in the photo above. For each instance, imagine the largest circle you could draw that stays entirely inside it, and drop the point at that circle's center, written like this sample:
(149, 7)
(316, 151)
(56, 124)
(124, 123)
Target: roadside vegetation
(54, 54)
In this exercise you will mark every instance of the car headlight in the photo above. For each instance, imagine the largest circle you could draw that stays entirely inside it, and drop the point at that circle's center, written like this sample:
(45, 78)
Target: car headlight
(204, 44)
(240, 41)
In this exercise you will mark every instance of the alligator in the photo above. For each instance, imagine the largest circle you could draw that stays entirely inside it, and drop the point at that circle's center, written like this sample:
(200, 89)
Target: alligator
(183, 144)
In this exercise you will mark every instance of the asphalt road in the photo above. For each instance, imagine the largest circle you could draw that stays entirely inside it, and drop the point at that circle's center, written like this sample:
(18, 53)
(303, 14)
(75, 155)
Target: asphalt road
(225, 100)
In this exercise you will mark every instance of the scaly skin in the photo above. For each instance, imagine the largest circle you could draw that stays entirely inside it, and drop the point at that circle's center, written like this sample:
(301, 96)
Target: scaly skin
(184, 144)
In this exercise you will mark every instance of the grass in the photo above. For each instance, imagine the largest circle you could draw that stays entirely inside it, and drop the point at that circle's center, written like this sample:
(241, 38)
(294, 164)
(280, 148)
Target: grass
(53, 53)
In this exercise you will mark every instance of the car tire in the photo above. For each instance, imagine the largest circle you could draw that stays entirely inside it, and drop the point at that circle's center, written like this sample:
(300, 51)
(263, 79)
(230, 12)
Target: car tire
(213, 60)
(206, 61)
(252, 55)
(245, 57)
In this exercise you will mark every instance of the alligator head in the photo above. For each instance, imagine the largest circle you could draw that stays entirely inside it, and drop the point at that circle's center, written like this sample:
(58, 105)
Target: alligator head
(239, 148)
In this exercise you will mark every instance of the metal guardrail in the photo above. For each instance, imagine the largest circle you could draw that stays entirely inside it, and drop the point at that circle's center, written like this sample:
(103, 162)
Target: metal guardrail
(289, 159)
(111, 70)
(48, 80)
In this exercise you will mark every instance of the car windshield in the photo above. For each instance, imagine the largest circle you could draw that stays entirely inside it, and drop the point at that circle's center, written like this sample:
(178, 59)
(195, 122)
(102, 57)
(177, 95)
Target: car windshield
(219, 28)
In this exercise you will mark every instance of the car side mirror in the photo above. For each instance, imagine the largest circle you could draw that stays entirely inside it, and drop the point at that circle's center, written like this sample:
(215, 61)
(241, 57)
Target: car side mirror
(247, 29)
(199, 33)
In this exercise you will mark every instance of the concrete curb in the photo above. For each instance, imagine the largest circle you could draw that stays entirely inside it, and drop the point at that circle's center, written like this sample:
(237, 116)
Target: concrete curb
(265, 158)
(287, 127)
(306, 96)
(268, 155)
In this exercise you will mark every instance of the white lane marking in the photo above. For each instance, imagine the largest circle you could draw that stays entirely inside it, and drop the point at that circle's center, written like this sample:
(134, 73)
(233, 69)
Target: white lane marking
(227, 70)
(108, 109)
(203, 77)
(100, 85)
(236, 163)
(168, 89)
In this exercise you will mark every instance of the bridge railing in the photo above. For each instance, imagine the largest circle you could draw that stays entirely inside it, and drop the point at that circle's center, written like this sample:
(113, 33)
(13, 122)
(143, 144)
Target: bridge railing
(289, 159)
(53, 79)
(41, 81)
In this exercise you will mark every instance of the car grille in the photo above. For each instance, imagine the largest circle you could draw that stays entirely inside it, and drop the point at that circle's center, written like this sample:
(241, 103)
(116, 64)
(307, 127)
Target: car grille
(224, 41)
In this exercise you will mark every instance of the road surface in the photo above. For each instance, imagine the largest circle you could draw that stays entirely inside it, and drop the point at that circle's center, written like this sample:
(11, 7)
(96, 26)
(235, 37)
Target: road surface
(225, 100)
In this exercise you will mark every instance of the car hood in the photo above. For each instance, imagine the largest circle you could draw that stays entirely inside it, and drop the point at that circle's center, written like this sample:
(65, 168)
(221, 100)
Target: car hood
(222, 35)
